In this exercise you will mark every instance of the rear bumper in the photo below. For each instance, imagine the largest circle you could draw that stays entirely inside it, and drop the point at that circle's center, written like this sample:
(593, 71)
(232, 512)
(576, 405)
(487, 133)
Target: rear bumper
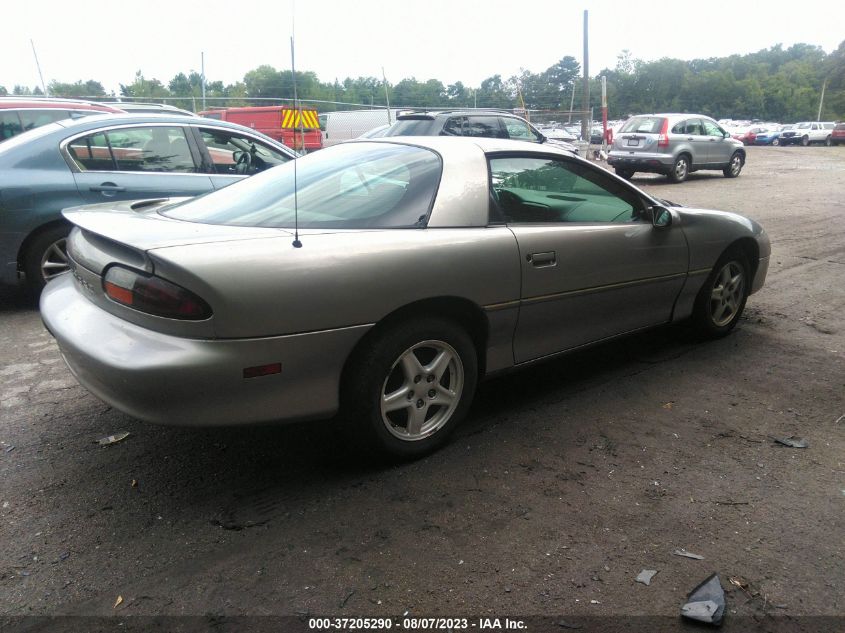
(660, 163)
(195, 382)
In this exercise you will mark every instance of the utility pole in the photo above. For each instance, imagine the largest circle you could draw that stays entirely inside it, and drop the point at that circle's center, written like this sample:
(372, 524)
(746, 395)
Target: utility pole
(202, 77)
(585, 98)
(603, 112)
(821, 102)
(386, 96)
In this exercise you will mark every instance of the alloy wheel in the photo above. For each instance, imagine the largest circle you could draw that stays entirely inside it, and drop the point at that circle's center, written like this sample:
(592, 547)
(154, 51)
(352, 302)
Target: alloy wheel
(422, 390)
(54, 260)
(727, 294)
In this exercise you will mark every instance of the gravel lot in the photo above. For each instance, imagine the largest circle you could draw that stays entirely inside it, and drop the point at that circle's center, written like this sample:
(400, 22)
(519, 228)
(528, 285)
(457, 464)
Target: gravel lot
(565, 482)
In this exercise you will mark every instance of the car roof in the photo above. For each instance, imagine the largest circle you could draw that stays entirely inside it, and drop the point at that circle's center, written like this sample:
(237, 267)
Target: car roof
(487, 145)
(24, 103)
(68, 127)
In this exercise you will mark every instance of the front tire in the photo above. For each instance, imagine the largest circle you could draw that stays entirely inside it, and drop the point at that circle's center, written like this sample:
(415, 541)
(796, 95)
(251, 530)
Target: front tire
(805, 140)
(410, 387)
(46, 257)
(680, 170)
(722, 298)
(827, 142)
(734, 166)
(776, 142)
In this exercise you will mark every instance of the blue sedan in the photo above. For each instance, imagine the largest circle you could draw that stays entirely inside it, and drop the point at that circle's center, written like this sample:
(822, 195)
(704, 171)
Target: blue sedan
(107, 159)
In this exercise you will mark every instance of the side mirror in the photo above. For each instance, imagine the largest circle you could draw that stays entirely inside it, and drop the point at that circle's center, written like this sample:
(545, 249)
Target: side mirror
(660, 216)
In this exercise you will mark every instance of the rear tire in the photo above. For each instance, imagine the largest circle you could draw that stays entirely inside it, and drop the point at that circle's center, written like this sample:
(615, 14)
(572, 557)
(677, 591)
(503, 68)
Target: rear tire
(627, 174)
(722, 298)
(409, 388)
(46, 257)
(680, 170)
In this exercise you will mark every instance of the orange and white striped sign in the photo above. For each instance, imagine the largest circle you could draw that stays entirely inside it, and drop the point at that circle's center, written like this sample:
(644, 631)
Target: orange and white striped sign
(291, 119)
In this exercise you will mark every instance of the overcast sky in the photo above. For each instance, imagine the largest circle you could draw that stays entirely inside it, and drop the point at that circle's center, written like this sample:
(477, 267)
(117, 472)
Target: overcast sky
(449, 40)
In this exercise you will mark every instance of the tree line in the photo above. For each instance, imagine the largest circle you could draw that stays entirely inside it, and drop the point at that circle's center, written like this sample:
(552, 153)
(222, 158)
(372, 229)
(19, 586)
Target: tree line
(779, 84)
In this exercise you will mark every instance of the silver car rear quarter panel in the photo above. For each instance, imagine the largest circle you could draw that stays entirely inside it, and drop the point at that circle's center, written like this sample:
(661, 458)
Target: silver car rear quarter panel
(267, 287)
(173, 380)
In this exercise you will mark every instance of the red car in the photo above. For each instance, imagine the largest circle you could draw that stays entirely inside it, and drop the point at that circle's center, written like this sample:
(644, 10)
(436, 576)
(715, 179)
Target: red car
(838, 134)
(19, 114)
(748, 136)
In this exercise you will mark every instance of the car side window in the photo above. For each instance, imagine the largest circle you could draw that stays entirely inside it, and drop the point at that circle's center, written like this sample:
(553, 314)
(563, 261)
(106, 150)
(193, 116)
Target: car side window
(711, 129)
(92, 153)
(519, 130)
(485, 126)
(151, 149)
(10, 124)
(236, 154)
(542, 190)
(679, 127)
(453, 126)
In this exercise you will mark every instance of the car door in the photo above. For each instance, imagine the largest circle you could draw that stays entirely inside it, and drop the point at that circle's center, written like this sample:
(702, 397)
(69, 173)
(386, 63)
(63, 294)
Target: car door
(719, 146)
(230, 155)
(593, 265)
(136, 162)
(691, 131)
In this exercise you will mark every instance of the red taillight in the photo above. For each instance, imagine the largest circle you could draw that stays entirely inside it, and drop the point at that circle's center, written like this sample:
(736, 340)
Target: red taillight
(153, 295)
(663, 139)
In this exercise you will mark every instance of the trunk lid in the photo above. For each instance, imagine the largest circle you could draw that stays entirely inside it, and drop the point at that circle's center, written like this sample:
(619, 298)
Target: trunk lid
(639, 134)
(139, 225)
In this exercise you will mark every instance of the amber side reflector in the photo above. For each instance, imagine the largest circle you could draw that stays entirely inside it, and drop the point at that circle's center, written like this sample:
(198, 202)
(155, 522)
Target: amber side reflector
(262, 370)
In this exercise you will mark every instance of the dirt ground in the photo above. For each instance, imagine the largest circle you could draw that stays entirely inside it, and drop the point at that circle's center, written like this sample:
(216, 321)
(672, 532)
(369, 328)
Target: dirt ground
(564, 483)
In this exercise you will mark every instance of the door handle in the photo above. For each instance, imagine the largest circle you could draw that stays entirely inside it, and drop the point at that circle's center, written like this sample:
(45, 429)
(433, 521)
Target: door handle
(542, 260)
(107, 187)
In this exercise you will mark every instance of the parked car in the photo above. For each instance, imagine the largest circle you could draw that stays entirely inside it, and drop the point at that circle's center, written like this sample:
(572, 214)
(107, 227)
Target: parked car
(837, 136)
(110, 158)
(674, 145)
(748, 136)
(421, 266)
(345, 125)
(474, 123)
(18, 115)
(376, 132)
(769, 136)
(808, 132)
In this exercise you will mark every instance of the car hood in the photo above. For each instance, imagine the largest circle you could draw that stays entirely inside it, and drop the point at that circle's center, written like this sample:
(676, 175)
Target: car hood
(139, 224)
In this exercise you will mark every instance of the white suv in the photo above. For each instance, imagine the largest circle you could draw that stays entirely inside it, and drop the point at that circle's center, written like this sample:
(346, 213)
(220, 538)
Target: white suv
(808, 132)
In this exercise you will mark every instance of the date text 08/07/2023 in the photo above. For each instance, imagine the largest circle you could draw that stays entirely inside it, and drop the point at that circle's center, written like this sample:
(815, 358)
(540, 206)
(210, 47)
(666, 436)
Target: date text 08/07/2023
(415, 624)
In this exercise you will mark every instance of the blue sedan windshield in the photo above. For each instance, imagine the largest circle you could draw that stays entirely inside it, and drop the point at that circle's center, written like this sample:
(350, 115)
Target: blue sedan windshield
(351, 186)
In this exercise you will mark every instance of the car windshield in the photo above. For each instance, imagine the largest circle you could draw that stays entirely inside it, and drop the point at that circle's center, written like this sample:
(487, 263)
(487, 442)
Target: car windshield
(349, 186)
(644, 125)
(803, 126)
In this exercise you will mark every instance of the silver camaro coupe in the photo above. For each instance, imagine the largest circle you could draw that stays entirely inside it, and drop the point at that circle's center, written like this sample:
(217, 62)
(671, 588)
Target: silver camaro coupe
(420, 265)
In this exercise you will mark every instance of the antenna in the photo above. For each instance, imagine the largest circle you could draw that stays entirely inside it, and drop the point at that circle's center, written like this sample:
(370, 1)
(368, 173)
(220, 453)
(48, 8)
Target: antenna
(296, 242)
(37, 65)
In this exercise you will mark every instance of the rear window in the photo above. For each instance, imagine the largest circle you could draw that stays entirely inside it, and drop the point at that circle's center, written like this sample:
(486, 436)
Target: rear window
(410, 127)
(644, 125)
(349, 186)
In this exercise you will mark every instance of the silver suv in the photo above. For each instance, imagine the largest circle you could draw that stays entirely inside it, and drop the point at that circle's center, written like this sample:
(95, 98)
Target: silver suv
(674, 145)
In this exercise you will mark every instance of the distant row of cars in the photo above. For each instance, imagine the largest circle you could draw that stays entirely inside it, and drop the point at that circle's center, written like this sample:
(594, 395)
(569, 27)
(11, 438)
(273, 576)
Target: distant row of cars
(804, 133)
